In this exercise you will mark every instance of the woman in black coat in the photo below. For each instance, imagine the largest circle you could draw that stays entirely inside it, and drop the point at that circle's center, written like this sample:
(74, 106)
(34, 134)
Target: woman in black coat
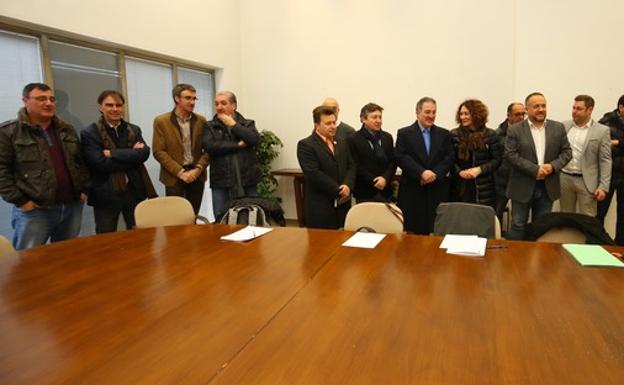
(478, 153)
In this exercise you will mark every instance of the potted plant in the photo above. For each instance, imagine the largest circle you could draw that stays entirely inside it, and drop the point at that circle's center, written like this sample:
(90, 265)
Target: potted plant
(267, 151)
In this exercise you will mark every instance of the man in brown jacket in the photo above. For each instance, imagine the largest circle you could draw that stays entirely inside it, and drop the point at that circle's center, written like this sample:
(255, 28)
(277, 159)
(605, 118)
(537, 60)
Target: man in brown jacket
(177, 147)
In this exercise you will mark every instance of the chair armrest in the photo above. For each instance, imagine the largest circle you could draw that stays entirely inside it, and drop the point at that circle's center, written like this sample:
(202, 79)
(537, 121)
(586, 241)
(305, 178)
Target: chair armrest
(202, 219)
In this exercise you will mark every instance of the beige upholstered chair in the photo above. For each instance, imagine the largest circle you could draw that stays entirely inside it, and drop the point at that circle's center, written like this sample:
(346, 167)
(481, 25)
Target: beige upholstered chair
(5, 246)
(378, 216)
(563, 235)
(165, 211)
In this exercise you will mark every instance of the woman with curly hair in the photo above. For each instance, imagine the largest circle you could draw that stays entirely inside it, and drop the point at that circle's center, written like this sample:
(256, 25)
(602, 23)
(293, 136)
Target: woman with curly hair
(478, 153)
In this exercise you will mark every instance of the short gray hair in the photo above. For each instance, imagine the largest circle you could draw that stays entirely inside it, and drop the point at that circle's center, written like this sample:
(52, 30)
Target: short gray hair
(230, 95)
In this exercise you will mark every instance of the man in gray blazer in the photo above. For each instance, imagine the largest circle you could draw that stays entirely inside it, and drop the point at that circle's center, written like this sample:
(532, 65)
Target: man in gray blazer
(537, 149)
(585, 179)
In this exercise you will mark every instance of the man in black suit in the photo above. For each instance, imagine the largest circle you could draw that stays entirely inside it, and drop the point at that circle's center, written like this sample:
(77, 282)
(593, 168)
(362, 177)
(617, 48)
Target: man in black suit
(329, 172)
(425, 154)
(373, 153)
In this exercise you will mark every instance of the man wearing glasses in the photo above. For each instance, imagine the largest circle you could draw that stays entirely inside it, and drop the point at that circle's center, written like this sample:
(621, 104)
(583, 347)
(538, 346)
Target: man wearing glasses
(42, 172)
(515, 114)
(177, 147)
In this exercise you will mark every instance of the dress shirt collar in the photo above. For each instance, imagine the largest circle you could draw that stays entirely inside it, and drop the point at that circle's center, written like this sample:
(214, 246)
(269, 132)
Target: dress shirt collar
(422, 128)
(586, 125)
(323, 138)
(181, 119)
(533, 126)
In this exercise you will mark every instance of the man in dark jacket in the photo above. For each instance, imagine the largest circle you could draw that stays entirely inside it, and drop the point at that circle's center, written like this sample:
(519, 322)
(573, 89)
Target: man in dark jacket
(42, 172)
(329, 172)
(230, 140)
(615, 121)
(115, 152)
(373, 153)
(515, 114)
(425, 154)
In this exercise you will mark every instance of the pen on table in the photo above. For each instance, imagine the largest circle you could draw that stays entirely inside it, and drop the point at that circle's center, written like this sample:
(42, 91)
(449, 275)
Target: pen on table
(497, 247)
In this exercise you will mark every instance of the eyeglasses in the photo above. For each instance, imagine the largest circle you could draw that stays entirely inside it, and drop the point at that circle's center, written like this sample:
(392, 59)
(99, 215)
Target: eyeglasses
(42, 99)
(189, 98)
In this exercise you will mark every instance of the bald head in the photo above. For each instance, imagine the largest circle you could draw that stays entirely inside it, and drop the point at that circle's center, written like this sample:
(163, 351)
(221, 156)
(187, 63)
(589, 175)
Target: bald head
(333, 103)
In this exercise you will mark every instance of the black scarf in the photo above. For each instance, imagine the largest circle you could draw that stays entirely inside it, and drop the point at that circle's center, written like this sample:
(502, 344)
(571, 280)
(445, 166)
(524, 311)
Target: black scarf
(374, 138)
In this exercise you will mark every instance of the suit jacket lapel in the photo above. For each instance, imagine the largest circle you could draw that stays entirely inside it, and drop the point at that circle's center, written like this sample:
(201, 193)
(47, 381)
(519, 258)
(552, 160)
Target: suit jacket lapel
(420, 148)
(590, 132)
(551, 142)
(435, 140)
(527, 134)
(174, 120)
(319, 142)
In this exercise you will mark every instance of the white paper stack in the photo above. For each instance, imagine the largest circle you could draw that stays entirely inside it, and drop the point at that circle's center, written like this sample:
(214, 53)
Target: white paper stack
(364, 240)
(470, 245)
(246, 234)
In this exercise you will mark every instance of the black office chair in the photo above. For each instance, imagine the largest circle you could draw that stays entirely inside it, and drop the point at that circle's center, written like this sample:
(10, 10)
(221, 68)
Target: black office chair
(468, 219)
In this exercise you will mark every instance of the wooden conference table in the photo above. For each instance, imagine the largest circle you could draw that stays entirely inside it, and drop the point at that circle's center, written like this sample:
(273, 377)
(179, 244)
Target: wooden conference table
(177, 306)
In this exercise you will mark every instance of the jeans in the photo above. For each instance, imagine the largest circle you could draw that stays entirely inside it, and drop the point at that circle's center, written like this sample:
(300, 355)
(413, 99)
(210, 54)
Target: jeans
(539, 204)
(55, 223)
(221, 198)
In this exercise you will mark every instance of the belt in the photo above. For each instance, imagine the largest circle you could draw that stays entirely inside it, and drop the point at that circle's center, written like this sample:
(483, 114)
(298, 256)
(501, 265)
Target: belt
(577, 174)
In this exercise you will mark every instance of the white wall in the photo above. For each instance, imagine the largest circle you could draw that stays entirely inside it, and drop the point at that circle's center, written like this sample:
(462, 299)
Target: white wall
(282, 57)
(295, 53)
(203, 31)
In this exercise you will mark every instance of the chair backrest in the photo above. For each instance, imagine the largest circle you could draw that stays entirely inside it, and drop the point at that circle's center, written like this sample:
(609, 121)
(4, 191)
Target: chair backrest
(164, 211)
(5, 246)
(563, 235)
(466, 218)
(249, 214)
(591, 228)
(378, 216)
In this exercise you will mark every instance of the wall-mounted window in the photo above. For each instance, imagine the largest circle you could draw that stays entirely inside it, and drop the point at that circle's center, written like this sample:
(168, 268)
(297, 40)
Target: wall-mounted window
(79, 75)
(79, 71)
(21, 64)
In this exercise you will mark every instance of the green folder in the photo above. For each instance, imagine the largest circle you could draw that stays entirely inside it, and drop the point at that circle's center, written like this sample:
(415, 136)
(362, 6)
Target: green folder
(592, 255)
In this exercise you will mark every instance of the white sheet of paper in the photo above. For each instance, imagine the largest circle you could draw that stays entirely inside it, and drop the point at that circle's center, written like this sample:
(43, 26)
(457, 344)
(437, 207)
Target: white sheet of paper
(364, 240)
(454, 240)
(246, 234)
(473, 247)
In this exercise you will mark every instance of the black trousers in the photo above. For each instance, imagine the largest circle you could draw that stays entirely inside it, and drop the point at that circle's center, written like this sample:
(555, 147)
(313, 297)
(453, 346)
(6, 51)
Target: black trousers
(106, 218)
(193, 192)
(617, 185)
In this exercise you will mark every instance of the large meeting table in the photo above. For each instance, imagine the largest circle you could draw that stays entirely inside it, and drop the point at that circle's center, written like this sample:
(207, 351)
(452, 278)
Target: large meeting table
(176, 305)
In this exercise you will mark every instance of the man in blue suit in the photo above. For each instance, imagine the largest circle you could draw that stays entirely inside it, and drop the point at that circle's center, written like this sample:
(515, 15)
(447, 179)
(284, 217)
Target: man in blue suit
(425, 154)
